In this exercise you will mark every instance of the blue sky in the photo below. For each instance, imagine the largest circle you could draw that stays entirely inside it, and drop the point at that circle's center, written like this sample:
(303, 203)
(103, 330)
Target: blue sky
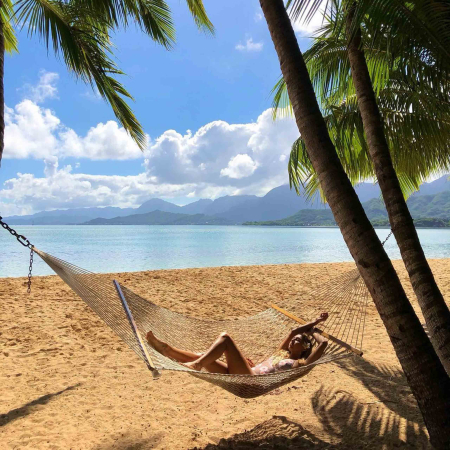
(63, 149)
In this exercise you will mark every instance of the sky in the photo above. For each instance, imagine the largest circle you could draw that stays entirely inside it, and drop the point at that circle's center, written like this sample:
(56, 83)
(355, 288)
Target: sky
(204, 105)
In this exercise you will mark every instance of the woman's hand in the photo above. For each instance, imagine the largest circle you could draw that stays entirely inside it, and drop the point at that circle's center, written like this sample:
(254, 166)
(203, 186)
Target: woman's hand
(322, 318)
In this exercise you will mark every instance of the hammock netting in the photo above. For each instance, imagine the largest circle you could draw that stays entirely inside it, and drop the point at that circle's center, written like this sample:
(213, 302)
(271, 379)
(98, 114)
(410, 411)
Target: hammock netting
(258, 336)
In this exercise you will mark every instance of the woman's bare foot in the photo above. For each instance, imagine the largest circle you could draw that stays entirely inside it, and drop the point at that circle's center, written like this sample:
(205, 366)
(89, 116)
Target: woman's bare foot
(194, 365)
(158, 345)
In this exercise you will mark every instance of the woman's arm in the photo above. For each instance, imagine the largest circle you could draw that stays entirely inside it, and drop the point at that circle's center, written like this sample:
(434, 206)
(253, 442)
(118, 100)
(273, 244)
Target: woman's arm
(317, 352)
(302, 329)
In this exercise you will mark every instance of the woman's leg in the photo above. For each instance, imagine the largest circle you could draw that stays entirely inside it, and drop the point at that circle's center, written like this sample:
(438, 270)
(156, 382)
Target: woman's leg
(224, 345)
(183, 356)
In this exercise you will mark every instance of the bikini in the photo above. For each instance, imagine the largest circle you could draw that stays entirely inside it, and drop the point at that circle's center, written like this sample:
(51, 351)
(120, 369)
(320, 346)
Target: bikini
(276, 363)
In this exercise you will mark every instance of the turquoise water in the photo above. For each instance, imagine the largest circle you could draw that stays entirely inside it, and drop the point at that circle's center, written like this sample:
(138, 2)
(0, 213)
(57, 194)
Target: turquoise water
(133, 248)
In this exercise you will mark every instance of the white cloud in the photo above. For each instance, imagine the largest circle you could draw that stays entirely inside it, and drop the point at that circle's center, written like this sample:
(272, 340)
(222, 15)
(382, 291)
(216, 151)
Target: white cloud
(218, 159)
(221, 154)
(60, 188)
(240, 166)
(35, 132)
(104, 141)
(249, 46)
(259, 16)
(44, 89)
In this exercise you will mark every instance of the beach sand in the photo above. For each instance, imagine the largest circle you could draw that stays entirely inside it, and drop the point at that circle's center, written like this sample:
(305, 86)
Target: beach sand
(67, 382)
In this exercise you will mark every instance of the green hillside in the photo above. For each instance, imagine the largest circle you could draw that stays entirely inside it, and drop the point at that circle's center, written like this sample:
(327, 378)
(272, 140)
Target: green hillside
(161, 218)
(427, 211)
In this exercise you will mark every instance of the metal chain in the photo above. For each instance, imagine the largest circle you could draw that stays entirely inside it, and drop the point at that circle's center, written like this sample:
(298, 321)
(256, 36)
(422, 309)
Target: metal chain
(388, 236)
(26, 243)
(30, 269)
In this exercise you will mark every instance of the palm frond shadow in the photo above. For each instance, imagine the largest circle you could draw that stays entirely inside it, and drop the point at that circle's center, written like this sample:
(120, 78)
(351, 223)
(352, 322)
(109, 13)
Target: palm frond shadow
(277, 433)
(31, 407)
(387, 383)
(365, 425)
(130, 441)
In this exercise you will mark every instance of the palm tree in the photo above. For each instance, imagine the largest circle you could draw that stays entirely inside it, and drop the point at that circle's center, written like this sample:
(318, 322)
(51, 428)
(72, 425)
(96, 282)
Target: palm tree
(430, 298)
(390, 65)
(425, 373)
(415, 117)
(79, 32)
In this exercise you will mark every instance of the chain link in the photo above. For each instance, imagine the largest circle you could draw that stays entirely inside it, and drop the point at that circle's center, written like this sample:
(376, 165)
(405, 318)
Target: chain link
(388, 236)
(26, 243)
(30, 269)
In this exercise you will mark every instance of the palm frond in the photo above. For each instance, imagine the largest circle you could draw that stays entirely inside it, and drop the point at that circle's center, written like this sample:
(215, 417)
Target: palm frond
(85, 49)
(413, 97)
(9, 36)
(198, 12)
(151, 16)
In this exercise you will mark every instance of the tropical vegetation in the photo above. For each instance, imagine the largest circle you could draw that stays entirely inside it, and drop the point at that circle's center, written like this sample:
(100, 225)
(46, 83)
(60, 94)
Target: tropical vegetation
(423, 369)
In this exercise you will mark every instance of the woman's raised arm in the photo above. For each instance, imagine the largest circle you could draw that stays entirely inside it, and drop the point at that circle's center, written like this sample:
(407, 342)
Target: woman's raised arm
(302, 329)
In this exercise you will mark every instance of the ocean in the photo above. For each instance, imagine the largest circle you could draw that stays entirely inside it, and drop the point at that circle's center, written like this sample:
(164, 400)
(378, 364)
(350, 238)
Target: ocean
(134, 248)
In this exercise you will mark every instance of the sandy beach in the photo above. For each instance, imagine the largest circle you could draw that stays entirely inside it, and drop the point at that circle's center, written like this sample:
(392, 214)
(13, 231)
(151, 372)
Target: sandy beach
(67, 382)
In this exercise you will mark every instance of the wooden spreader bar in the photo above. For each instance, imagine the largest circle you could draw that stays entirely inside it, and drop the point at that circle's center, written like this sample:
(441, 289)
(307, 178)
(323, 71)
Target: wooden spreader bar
(323, 333)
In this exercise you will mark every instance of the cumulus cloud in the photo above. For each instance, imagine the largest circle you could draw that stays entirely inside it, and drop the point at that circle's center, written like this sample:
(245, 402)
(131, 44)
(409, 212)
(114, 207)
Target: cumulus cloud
(220, 153)
(240, 166)
(218, 159)
(60, 188)
(44, 89)
(249, 46)
(32, 131)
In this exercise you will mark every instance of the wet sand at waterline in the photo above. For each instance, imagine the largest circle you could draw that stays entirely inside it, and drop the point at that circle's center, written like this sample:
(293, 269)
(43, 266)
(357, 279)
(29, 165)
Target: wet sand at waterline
(66, 380)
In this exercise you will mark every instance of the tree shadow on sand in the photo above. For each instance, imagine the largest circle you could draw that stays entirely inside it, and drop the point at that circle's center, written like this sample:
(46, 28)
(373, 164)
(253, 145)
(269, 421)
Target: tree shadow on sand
(347, 424)
(129, 441)
(30, 407)
(360, 425)
(387, 383)
(276, 433)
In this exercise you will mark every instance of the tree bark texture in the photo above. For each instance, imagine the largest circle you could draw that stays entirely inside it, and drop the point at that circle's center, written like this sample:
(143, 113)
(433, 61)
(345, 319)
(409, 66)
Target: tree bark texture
(2, 92)
(431, 301)
(423, 369)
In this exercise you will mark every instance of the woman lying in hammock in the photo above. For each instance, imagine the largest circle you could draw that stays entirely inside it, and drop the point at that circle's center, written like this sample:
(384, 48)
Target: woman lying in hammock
(295, 351)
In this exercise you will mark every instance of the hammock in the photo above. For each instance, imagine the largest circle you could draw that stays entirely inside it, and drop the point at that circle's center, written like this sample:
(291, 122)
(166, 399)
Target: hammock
(131, 317)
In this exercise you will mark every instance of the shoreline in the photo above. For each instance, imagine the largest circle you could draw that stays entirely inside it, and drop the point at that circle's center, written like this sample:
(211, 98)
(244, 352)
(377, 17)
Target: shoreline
(249, 266)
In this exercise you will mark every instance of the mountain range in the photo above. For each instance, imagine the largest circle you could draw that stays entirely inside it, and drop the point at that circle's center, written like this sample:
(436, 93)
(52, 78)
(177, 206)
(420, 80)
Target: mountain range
(431, 210)
(279, 203)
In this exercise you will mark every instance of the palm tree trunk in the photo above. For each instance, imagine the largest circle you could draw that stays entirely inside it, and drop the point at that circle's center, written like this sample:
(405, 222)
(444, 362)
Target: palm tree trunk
(431, 301)
(2, 92)
(423, 369)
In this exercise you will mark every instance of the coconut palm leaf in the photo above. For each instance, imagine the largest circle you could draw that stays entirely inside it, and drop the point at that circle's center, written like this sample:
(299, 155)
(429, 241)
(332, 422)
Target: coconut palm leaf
(86, 50)
(9, 36)
(413, 100)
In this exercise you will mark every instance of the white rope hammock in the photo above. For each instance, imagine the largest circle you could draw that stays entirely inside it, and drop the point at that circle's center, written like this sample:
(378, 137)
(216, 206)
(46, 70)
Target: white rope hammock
(131, 317)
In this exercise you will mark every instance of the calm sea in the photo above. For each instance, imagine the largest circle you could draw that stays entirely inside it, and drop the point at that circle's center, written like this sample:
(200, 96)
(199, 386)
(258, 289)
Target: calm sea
(133, 248)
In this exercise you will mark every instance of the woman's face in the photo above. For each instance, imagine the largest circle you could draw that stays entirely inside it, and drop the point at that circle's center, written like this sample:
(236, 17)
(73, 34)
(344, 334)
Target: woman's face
(297, 344)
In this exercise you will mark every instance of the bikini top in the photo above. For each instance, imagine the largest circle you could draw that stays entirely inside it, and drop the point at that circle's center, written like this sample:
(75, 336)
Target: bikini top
(279, 361)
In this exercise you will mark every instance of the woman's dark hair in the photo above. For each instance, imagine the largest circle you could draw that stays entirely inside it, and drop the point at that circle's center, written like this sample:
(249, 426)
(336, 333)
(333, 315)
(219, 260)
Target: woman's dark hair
(307, 342)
